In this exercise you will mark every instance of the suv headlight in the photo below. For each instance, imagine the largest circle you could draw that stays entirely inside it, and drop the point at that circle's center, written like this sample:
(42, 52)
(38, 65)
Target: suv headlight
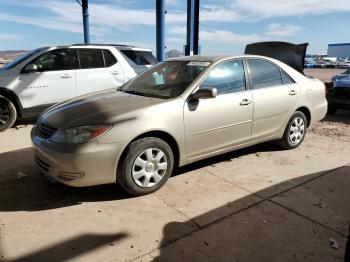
(80, 134)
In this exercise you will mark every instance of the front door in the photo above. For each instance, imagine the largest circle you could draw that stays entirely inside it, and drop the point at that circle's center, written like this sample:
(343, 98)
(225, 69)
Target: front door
(52, 81)
(225, 121)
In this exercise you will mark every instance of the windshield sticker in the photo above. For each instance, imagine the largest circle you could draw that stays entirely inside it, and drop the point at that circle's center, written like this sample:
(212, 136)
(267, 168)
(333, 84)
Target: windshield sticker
(198, 64)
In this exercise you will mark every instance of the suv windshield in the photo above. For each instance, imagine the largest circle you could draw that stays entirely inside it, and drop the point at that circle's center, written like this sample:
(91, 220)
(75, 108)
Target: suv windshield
(20, 59)
(165, 80)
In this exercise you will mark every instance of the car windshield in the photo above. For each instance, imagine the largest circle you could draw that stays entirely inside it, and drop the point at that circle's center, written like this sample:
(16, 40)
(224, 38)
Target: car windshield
(20, 59)
(347, 71)
(165, 80)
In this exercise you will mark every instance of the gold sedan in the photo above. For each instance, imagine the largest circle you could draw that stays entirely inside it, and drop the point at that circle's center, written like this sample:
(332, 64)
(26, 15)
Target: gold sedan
(178, 112)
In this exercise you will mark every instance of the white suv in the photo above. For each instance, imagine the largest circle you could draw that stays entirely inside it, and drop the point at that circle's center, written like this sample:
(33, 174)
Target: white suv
(49, 75)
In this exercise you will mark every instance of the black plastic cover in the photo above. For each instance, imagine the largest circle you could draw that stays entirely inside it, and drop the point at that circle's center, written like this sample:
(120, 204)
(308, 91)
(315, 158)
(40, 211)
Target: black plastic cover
(288, 53)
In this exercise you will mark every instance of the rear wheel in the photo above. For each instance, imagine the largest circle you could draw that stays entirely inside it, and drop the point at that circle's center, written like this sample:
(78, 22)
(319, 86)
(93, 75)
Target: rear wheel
(8, 113)
(295, 131)
(146, 166)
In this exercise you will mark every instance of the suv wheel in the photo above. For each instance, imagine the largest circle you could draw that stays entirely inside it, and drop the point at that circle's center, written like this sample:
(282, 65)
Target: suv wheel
(295, 131)
(146, 166)
(8, 113)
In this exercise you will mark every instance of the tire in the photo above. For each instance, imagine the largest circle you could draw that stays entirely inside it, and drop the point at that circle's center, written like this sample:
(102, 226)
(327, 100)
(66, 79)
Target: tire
(332, 109)
(8, 114)
(297, 125)
(140, 172)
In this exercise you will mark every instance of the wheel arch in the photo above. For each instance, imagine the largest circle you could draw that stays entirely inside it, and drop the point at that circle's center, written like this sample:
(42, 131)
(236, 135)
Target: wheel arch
(13, 98)
(307, 113)
(168, 138)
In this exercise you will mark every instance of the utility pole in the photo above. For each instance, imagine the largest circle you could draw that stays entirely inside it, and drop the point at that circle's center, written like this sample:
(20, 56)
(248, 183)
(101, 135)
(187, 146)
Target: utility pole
(160, 29)
(85, 9)
(192, 36)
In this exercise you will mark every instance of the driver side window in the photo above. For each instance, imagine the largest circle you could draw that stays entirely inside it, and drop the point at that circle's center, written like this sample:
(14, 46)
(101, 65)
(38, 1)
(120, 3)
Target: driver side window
(59, 59)
(227, 77)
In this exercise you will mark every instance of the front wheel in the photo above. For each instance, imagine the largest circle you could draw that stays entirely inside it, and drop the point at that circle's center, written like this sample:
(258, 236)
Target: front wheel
(8, 113)
(295, 131)
(146, 166)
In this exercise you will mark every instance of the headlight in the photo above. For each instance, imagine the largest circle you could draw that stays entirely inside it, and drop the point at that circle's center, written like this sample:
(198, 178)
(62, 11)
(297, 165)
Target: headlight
(80, 134)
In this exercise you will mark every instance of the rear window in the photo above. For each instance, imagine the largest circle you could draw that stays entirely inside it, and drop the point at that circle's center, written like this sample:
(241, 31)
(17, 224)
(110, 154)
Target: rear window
(109, 58)
(286, 79)
(91, 58)
(140, 57)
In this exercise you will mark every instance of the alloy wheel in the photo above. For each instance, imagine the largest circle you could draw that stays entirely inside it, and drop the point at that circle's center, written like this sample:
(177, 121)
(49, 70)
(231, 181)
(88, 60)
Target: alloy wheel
(149, 167)
(297, 130)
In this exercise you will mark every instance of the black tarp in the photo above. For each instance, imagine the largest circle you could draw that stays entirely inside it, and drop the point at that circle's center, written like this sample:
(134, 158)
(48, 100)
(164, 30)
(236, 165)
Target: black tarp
(288, 53)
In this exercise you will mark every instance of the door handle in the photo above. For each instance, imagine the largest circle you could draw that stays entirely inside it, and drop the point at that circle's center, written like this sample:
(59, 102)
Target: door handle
(66, 76)
(245, 102)
(292, 93)
(115, 73)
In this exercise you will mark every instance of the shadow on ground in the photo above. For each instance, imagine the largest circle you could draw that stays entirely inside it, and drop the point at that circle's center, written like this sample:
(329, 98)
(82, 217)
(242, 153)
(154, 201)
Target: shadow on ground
(72, 248)
(289, 226)
(298, 224)
(23, 188)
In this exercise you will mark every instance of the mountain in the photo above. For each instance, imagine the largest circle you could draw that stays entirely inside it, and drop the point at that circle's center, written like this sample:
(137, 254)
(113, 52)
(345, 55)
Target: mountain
(11, 54)
(173, 53)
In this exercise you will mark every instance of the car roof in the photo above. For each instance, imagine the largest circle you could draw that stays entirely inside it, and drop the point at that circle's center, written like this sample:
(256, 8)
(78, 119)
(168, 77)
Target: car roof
(212, 58)
(118, 46)
(93, 44)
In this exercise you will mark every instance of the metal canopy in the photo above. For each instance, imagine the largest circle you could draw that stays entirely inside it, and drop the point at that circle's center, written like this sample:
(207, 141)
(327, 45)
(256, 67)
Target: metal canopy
(191, 47)
(160, 29)
(85, 9)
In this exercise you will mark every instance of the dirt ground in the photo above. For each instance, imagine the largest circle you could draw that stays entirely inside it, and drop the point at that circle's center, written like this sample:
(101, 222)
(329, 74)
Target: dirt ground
(324, 75)
(257, 204)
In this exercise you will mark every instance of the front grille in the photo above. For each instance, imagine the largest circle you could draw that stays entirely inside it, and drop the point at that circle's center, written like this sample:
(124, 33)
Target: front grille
(45, 131)
(42, 164)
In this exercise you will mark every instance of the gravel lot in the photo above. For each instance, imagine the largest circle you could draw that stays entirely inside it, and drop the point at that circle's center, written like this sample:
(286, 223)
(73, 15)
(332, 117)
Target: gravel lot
(256, 204)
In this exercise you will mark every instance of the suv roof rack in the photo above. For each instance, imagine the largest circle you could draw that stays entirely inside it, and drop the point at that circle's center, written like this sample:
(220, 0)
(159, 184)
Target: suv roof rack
(82, 44)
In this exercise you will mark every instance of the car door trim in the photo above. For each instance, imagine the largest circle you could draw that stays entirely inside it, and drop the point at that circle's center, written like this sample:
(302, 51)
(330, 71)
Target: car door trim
(221, 127)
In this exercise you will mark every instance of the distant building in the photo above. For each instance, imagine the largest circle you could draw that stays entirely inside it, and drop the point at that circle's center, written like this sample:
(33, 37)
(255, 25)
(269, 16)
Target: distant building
(173, 53)
(339, 50)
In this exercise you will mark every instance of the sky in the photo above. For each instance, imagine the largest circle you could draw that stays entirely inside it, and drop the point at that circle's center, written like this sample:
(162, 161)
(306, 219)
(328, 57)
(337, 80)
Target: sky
(226, 26)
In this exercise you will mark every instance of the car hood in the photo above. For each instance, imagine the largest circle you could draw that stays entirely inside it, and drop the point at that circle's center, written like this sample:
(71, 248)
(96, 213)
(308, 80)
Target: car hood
(97, 108)
(288, 53)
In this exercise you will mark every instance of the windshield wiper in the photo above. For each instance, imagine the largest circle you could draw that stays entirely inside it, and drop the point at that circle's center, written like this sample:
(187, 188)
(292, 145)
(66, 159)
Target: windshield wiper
(132, 92)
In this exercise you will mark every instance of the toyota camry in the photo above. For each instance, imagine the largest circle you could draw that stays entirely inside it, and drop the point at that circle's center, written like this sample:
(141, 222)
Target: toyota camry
(175, 113)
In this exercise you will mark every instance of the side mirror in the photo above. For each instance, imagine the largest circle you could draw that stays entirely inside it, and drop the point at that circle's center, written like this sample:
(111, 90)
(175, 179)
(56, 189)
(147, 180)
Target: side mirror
(205, 93)
(31, 68)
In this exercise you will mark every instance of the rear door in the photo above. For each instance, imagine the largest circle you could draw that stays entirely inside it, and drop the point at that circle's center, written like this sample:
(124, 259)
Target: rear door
(99, 70)
(52, 82)
(275, 95)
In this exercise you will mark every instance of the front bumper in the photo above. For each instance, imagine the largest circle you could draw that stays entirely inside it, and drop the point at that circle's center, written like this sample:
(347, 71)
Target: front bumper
(88, 164)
